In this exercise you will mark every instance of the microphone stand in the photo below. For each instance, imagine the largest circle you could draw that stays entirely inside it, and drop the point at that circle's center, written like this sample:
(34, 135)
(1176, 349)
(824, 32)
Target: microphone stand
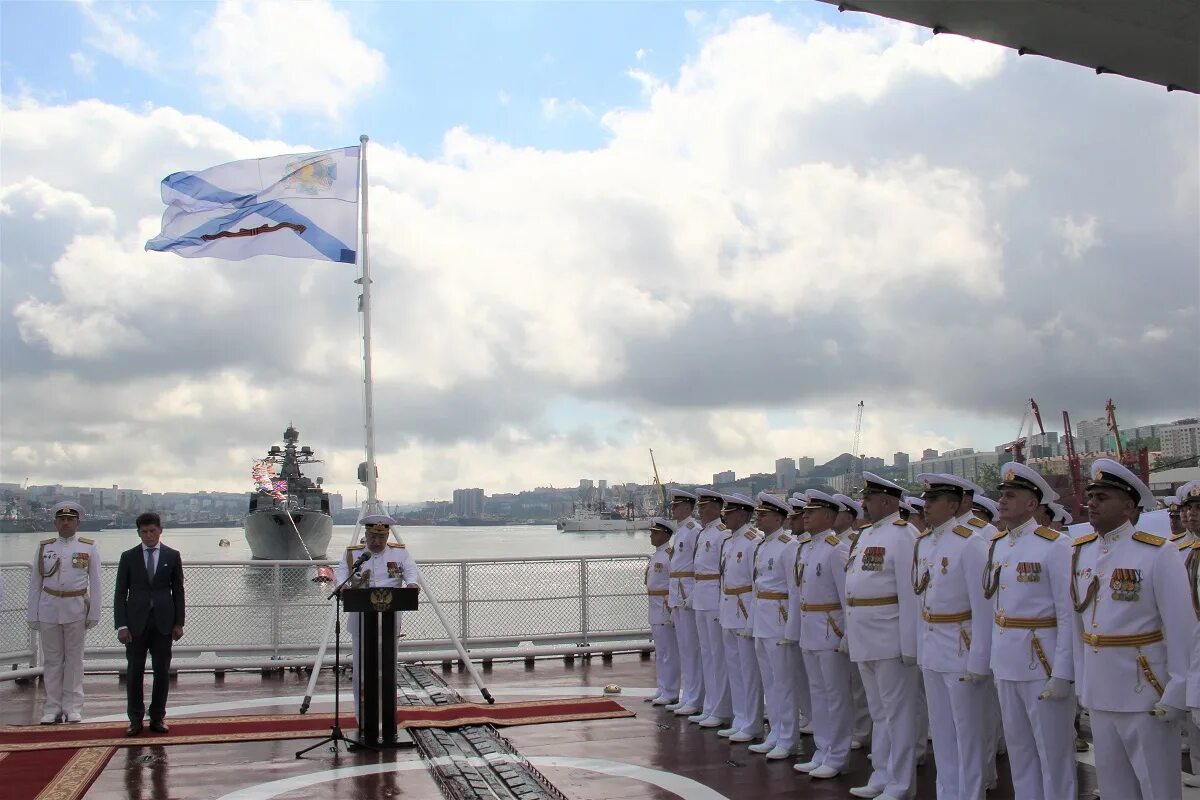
(335, 733)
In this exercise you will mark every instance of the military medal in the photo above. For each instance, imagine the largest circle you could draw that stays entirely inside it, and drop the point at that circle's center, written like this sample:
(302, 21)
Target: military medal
(393, 569)
(872, 558)
(80, 560)
(707, 546)
(771, 563)
(945, 563)
(818, 570)
(740, 554)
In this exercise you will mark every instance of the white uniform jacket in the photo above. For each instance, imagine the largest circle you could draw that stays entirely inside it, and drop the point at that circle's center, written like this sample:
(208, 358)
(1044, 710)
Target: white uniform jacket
(656, 586)
(706, 596)
(881, 606)
(955, 630)
(1134, 630)
(737, 579)
(393, 567)
(791, 631)
(773, 571)
(65, 583)
(1032, 615)
(822, 592)
(683, 554)
(1193, 682)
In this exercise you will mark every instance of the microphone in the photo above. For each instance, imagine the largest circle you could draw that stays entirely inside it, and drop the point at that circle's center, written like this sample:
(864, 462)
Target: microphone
(361, 560)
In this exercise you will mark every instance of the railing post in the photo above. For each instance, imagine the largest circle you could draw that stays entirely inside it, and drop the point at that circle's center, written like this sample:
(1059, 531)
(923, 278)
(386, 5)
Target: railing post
(463, 615)
(583, 598)
(277, 613)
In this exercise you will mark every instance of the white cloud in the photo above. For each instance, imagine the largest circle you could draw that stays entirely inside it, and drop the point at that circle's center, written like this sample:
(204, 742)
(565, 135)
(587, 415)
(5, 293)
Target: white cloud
(555, 109)
(83, 66)
(110, 37)
(1078, 236)
(503, 97)
(274, 58)
(728, 217)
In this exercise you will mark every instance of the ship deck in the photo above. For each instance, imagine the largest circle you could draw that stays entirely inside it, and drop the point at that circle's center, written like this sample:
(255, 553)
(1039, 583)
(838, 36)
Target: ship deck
(652, 755)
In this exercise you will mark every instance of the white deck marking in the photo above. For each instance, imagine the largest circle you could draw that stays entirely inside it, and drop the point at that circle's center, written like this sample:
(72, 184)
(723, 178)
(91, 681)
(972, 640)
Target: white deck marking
(678, 785)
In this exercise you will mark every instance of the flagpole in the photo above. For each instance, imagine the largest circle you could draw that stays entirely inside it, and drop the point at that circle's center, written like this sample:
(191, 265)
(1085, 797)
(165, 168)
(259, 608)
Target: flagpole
(372, 501)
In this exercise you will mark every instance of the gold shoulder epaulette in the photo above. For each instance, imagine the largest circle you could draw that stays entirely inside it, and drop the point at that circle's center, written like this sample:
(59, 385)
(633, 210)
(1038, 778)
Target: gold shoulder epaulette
(977, 522)
(863, 527)
(1049, 534)
(900, 522)
(750, 535)
(783, 537)
(1087, 537)
(1178, 536)
(924, 533)
(690, 524)
(721, 526)
(964, 531)
(1186, 545)
(356, 547)
(999, 535)
(85, 540)
(49, 541)
(832, 540)
(1149, 538)
(393, 544)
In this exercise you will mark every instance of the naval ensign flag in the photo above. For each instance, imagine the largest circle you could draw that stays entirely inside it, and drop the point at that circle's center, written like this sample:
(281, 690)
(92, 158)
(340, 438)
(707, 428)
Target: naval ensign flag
(299, 206)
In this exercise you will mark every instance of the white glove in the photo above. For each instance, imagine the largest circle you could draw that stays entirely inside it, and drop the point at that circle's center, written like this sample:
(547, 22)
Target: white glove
(33, 626)
(91, 623)
(1167, 714)
(908, 661)
(1196, 717)
(844, 648)
(971, 677)
(1055, 689)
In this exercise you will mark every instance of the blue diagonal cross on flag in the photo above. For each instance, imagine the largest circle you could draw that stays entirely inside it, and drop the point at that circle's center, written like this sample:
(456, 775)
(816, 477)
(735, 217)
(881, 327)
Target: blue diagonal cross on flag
(297, 206)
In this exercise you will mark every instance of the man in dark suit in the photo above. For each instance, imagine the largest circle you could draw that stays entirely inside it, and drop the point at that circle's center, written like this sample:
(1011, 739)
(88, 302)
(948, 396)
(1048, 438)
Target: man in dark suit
(149, 611)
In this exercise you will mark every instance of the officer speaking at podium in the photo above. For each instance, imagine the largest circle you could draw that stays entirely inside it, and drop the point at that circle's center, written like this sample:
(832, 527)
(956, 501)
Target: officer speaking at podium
(378, 563)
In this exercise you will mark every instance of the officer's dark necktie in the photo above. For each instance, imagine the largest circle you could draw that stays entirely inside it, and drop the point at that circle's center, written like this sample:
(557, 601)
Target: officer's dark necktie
(150, 570)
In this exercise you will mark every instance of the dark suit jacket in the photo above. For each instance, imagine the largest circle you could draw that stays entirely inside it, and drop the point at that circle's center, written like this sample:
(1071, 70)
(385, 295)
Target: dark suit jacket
(135, 590)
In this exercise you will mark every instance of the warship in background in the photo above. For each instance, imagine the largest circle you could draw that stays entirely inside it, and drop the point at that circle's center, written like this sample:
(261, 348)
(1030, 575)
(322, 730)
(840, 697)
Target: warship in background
(268, 531)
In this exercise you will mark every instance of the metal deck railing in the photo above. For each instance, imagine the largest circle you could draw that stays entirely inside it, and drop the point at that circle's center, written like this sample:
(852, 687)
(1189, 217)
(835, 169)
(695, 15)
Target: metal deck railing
(248, 612)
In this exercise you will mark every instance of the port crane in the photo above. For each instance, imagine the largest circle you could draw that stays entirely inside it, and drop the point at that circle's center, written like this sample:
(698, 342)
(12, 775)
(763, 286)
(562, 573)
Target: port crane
(855, 471)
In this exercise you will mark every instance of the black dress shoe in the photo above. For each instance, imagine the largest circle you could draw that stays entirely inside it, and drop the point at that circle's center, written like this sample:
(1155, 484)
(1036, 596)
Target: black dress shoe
(158, 726)
(134, 728)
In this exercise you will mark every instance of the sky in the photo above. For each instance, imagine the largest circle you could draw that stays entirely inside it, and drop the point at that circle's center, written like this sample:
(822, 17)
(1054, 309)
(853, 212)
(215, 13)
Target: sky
(596, 228)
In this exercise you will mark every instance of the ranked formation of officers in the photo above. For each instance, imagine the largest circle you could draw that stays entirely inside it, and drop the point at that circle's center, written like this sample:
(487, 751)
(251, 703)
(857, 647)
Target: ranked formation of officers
(948, 617)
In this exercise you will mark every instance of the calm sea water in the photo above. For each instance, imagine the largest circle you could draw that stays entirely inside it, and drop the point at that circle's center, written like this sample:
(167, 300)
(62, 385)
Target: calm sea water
(425, 542)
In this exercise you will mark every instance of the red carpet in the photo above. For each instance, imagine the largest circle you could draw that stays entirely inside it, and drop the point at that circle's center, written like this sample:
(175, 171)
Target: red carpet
(198, 730)
(51, 774)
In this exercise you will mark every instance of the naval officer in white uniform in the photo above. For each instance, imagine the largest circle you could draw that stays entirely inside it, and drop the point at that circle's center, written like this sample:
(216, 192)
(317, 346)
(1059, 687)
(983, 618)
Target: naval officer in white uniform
(881, 629)
(953, 640)
(717, 710)
(848, 519)
(662, 630)
(63, 605)
(682, 584)
(822, 592)
(1134, 636)
(737, 621)
(386, 564)
(1027, 579)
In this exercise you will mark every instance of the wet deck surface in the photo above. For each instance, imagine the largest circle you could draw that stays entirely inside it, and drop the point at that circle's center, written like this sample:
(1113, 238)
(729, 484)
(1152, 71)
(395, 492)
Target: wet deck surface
(653, 755)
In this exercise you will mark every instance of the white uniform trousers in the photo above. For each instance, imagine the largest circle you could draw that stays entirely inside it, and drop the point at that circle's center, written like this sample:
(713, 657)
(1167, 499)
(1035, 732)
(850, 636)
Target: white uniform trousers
(862, 715)
(804, 709)
(778, 680)
(832, 707)
(717, 702)
(922, 741)
(1193, 738)
(62, 665)
(748, 703)
(956, 718)
(736, 678)
(1041, 741)
(1137, 756)
(995, 731)
(666, 660)
(352, 624)
(893, 695)
(691, 674)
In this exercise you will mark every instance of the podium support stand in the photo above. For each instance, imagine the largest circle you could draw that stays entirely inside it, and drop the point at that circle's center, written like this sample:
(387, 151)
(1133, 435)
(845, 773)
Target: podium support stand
(376, 609)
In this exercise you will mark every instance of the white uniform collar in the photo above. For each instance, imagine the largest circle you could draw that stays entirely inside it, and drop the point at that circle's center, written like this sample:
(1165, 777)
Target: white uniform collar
(775, 535)
(1026, 526)
(1117, 532)
(949, 524)
(889, 518)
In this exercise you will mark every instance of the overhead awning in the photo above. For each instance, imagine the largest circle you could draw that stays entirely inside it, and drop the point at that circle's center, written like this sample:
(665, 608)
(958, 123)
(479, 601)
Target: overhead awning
(1150, 40)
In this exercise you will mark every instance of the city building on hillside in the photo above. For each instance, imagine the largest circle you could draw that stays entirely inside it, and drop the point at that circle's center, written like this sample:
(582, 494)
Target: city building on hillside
(963, 462)
(872, 463)
(928, 453)
(1180, 439)
(785, 473)
(468, 502)
(805, 465)
(1092, 435)
(722, 478)
(900, 461)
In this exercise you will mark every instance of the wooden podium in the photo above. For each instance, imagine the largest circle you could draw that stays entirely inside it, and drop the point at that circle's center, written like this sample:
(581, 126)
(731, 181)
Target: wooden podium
(376, 609)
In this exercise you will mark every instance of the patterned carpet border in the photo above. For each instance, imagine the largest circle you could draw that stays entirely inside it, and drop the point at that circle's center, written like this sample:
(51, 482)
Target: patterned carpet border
(52, 774)
(204, 730)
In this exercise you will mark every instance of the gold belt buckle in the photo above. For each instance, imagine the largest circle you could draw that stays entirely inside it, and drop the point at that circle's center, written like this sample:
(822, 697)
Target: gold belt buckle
(1000, 620)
